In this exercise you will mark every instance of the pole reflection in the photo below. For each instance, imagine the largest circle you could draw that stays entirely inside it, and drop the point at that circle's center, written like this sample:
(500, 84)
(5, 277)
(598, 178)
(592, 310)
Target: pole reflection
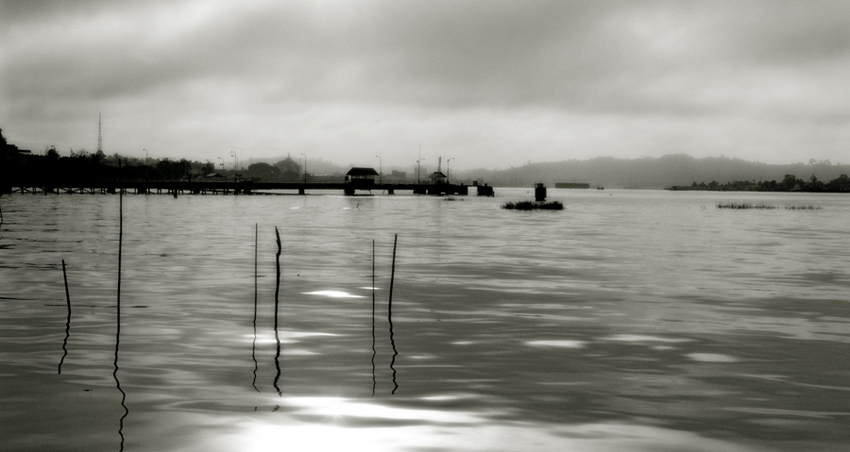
(374, 352)
(254, 343)
(118, 382)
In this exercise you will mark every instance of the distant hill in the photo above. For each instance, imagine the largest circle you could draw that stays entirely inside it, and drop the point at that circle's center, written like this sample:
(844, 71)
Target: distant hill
(660, 172)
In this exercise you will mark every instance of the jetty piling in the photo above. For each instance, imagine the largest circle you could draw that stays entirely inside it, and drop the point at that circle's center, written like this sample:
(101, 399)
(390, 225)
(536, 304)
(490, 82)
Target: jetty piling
(539, 192)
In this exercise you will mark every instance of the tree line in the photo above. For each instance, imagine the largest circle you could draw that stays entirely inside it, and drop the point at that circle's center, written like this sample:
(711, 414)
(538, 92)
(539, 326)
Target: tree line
(53, 169)
(790, 183)
(21, 168)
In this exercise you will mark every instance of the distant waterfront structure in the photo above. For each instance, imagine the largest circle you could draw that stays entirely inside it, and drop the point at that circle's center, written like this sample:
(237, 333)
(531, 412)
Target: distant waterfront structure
(10, 156)
(437, 177)
(571, 185)
(361, 176)
(8, 150)
(483, 190)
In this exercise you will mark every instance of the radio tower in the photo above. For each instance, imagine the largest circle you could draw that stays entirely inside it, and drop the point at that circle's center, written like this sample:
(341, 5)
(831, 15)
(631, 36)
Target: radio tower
(99, 137)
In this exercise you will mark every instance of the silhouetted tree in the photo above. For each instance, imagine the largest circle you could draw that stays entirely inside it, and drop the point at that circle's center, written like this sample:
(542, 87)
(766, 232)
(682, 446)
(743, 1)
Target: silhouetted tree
(288, 165)
(814, 185)
(167, 169)
(840, 184)
(263, 171)
(790, 183)
(207, 168)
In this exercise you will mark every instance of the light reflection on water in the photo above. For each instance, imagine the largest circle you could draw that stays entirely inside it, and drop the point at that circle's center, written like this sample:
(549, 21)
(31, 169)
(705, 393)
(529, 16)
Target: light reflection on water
(630, 321)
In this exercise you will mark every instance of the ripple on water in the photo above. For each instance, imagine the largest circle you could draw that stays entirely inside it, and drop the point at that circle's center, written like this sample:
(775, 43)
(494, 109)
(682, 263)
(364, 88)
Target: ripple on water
(557, 343)
(712, 358)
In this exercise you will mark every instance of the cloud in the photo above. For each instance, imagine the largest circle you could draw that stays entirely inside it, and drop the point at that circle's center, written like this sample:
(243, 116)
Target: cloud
(490, 79)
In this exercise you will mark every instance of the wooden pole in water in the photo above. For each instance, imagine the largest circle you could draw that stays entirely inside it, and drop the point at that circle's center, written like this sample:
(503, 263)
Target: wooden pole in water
(390, 315)
(118, 308)
(277, 280)
(276, 303)
(120, 242)
(67, 293)
(68, 322)
(256, 246)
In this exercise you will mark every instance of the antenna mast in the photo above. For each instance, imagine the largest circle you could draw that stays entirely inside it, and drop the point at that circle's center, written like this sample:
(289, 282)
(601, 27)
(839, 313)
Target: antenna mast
(99, 136)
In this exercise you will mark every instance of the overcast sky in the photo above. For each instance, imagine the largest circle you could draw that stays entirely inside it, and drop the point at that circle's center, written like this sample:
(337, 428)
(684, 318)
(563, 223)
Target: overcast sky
(493, 84)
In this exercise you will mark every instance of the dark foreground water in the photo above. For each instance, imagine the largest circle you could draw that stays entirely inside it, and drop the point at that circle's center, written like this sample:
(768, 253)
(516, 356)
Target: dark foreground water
(631, 321)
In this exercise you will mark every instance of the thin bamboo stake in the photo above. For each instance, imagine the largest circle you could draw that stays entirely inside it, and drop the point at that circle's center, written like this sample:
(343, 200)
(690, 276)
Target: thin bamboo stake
(118, 308)
(67, 322)
(276, 304)
(120, 245)
(390, 315)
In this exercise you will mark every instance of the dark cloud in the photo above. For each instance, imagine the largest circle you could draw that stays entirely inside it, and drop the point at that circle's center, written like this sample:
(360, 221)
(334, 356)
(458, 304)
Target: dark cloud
(314, 65)
(39, 11)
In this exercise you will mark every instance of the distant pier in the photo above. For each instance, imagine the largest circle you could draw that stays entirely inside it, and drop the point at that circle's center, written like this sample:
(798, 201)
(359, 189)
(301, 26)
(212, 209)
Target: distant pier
(238, 187)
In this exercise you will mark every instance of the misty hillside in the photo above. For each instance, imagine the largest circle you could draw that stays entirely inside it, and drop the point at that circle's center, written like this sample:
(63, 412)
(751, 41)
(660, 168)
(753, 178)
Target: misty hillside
(659, 172)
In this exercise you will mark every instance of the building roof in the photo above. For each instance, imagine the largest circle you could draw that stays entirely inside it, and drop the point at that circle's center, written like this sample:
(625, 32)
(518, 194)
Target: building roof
(358, 171)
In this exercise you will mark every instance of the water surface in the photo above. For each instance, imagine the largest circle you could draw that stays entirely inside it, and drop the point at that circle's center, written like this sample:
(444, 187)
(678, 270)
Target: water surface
(632, 320)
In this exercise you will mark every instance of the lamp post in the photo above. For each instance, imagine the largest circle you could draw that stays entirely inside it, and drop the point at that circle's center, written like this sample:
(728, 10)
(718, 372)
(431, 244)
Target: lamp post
(222, 162)
(380, 170)
(305, 167)
(236, 158)
(447, 169)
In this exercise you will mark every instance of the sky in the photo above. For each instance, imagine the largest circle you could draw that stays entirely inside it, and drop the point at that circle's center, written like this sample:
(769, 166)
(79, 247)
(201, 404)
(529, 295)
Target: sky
(490, 84)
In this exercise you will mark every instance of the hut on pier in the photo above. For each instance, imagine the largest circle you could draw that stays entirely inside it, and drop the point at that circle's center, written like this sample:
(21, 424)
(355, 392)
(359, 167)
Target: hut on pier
(361, 176)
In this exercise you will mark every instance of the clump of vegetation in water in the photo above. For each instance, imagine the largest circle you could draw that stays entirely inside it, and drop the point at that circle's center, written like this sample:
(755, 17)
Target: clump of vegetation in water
(739, 206)
(529, 205)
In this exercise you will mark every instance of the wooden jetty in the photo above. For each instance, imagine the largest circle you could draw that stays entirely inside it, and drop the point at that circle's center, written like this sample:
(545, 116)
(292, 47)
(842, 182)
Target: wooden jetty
(236, 187)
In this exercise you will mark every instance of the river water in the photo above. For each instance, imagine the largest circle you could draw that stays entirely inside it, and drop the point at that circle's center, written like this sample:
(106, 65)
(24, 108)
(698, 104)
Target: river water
(631, 320)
